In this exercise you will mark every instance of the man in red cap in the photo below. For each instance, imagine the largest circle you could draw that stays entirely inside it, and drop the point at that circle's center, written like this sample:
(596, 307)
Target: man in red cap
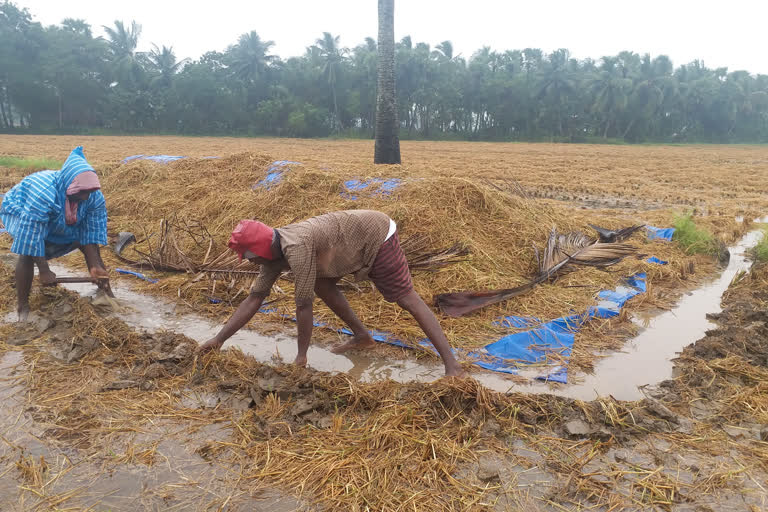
(319, 252)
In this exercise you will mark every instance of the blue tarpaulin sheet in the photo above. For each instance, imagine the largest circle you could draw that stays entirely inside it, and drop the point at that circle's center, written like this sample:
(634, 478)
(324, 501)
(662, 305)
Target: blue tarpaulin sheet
(660, 233)
(544, 340)
(161, 159)
(654, 259)
(275, 174)
(385, 186)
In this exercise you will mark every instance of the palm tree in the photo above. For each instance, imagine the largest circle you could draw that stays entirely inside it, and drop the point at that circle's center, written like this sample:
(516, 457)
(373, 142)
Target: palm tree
(332, 56)
(445, 50)
(387, 148)
(163, 62)
(611, 92)
(249, 58)
(122, 42)
(557, 84)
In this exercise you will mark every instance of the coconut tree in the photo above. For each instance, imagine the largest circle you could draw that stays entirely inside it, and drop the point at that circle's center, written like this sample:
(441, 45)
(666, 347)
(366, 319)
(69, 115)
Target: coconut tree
(249, 58)
(122, 41)
(332, 56)
(387, 148)
(163, 62)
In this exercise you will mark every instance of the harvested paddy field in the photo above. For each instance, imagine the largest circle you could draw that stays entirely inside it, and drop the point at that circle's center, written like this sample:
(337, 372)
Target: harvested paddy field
(488, 207)
(108, 411)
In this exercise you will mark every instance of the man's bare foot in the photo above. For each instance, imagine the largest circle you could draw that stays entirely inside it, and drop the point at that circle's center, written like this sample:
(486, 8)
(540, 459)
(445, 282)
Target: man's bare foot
(23, 313)
(355, 343)
(456, 372)
(300, 361)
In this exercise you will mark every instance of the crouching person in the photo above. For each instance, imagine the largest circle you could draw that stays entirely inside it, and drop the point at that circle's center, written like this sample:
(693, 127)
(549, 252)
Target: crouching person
(319, 252)
(51, 213)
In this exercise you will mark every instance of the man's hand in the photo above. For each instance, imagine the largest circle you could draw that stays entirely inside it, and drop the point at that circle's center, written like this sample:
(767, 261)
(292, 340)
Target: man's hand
(99, 273)
(47, 278)
(210, 345)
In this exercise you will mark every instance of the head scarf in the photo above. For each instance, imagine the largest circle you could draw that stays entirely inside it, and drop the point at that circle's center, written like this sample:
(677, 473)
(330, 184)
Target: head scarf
(85, 181)
(253, 236)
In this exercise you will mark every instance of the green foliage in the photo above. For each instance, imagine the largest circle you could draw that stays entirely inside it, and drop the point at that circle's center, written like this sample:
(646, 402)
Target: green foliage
(693, 239)
(62, 79)
(30, 164)
(760, 251)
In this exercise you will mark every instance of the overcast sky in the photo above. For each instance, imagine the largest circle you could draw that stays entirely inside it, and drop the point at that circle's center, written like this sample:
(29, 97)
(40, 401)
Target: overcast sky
(723, 33)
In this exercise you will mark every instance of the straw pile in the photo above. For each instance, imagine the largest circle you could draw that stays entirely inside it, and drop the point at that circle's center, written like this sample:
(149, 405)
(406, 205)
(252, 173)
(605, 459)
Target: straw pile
(498, 226)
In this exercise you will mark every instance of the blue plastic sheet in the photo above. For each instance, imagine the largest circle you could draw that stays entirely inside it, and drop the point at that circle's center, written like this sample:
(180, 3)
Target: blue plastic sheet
(543, 340)
(660, 233)
(385, 186)
(517, 322)
(654, 259)
(161, 159)
(274, 174)
(135, 274)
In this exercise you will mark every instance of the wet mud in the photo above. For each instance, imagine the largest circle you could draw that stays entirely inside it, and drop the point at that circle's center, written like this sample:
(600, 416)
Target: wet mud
(100, 415)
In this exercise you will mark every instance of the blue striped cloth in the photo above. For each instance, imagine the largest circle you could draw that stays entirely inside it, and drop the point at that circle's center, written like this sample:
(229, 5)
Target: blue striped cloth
(33, 210)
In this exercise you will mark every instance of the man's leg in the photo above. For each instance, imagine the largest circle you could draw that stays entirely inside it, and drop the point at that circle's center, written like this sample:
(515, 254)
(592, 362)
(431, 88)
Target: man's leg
(25, 272)
(329, 293)
(412, 303)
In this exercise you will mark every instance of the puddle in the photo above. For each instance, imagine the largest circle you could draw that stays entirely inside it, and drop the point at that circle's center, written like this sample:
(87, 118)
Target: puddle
(144, 312)
(647, 359)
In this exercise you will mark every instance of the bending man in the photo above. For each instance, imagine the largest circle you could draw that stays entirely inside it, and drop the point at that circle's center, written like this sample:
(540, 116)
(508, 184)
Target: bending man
(319, 252)
(51, 213)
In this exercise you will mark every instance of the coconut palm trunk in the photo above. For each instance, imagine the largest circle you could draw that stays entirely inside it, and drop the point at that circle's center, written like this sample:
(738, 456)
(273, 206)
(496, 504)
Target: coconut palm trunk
(387, 150)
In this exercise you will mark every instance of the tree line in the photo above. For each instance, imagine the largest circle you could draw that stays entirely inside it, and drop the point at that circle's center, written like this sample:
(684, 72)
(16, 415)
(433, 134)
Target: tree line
(63, 79)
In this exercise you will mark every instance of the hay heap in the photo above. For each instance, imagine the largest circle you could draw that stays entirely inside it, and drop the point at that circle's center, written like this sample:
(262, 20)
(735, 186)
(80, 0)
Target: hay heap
(499, 226)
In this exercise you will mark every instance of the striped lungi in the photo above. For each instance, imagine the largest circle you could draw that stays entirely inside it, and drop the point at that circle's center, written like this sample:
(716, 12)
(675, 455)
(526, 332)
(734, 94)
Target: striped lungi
(390, 273)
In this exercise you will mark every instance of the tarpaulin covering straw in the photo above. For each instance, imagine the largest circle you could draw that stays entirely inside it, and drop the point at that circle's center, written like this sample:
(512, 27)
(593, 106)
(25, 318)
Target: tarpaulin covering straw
(274, 174)
(385, 186)
(161, 159)
(660, 233)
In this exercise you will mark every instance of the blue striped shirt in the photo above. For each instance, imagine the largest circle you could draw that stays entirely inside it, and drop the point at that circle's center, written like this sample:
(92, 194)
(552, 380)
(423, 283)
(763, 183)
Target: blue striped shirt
(33, 210)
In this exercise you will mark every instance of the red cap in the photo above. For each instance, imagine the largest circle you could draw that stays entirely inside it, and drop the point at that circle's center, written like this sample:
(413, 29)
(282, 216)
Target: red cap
(254, 236)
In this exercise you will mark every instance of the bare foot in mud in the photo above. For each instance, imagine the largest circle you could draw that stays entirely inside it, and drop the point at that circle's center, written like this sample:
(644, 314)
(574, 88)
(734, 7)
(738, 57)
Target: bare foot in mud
(456, 373)
(23, 313)
(300, 361)
(355, 344)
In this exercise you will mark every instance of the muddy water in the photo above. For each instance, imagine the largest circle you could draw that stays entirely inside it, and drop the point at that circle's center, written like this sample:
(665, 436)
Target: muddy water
(647, 359)
(151, 314)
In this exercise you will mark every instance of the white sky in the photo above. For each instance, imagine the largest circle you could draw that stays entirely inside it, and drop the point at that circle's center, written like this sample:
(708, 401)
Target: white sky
(728, 34)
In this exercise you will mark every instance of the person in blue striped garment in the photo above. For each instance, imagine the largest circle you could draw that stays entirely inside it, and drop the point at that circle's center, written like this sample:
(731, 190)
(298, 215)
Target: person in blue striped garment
(50, 214)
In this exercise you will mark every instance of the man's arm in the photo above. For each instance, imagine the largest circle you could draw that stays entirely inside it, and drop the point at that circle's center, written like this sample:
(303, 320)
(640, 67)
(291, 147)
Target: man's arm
(239, 318)
(93, 260)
